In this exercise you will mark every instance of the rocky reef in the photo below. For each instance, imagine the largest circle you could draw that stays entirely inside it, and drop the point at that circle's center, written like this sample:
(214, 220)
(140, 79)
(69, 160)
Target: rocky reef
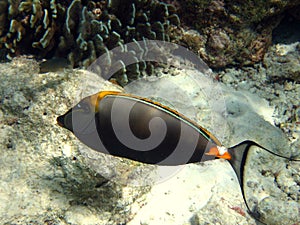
(29, 162)
(49, 177)
(232, 32)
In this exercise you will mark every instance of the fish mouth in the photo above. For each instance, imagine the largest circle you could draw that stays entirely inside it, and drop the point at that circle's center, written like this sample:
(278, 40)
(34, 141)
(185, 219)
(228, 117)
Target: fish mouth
(60, 121)
(65, 121)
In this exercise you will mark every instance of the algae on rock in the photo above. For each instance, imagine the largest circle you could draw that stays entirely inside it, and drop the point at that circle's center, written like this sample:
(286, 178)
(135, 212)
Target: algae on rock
(233, 32)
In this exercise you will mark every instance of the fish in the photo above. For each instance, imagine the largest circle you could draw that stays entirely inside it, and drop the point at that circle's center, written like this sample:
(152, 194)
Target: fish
(106, 122)
(93, 126)
(54, 64)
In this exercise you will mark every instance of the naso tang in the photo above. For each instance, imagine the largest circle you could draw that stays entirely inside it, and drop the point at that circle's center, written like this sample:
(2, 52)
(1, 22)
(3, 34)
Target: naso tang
(100, 122)
(143, 130)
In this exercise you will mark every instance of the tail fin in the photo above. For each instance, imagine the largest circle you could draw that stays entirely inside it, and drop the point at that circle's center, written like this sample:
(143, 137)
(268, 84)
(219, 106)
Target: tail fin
(238, 160)
(239, 154)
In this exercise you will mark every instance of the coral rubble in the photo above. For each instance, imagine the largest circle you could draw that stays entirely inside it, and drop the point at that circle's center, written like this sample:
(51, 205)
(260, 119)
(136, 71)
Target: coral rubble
(232, 32)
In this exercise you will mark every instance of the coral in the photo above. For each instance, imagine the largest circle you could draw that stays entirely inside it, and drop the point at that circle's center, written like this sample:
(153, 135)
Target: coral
(3, 15)
(29, 27)
(80, 30)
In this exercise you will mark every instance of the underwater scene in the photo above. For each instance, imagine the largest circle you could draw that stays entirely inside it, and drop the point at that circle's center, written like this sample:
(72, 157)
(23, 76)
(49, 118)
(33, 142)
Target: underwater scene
(148, 112)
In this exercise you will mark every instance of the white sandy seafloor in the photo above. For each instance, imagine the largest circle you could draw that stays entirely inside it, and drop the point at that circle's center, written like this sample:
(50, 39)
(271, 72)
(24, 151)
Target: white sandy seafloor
(48, 177)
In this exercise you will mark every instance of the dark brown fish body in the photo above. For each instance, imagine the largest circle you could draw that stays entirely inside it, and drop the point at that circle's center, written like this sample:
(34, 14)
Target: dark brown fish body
(154, 134)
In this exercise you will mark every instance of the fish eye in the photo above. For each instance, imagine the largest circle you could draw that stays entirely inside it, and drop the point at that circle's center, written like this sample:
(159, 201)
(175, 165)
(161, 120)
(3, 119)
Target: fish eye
(83, 107)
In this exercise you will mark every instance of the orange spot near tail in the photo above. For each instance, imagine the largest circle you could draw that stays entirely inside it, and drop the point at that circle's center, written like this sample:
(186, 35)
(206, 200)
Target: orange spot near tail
(215, 151)
(226, 155)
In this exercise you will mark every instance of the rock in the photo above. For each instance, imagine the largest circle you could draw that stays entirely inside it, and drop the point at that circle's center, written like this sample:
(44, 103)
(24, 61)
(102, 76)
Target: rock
(205, 193)
(275, 81)
(233, 32)
(44, 178)
(282, 62)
